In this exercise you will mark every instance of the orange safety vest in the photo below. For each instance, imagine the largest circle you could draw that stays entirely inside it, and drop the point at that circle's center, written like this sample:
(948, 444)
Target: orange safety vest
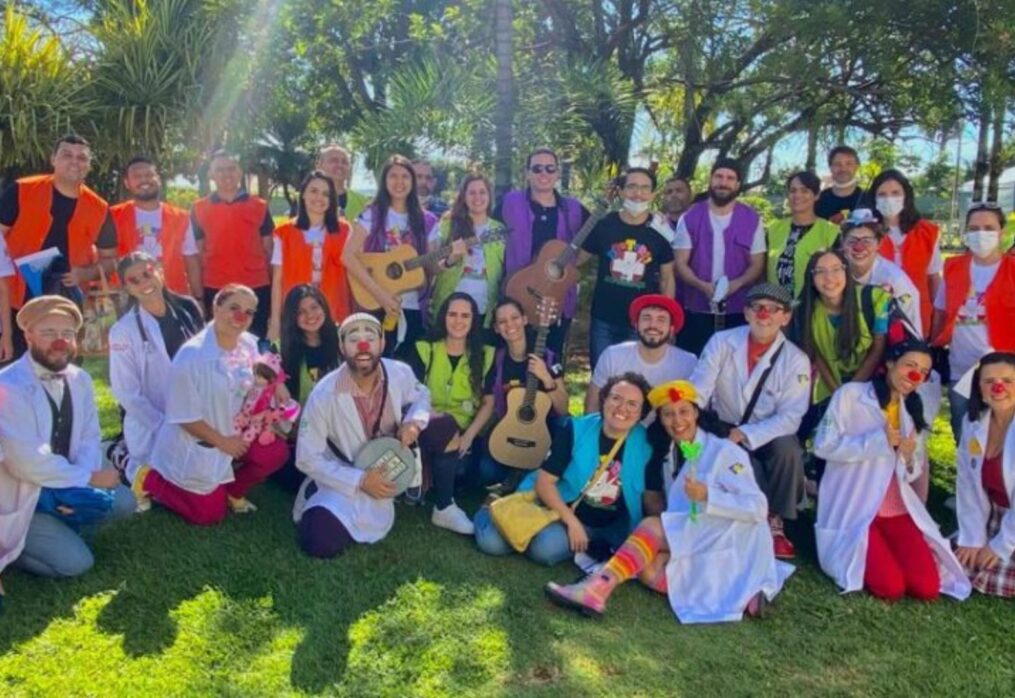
(233, 253)
(918, 247)
(998, 300)
(174, 229)
(35, 202)
(298, 265)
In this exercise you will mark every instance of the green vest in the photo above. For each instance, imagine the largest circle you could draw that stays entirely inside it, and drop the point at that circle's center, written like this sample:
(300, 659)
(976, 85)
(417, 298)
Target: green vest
(447, 280)
(451, 391)
(354, 204)
(820, 237)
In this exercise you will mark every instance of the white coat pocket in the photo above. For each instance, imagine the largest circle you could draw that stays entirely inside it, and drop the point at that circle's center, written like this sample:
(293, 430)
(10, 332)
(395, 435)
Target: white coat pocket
(204, 468)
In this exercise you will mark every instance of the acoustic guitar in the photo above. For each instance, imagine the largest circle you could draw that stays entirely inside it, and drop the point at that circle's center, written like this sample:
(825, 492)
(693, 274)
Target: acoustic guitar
(553, 273)
(521, 438)
(402, 269)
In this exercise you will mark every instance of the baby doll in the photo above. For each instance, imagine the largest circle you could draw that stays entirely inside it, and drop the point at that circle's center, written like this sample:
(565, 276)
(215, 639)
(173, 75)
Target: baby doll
(268, 405)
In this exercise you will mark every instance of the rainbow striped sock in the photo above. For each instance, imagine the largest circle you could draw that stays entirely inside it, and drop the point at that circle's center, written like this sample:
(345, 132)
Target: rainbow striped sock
(640, 548)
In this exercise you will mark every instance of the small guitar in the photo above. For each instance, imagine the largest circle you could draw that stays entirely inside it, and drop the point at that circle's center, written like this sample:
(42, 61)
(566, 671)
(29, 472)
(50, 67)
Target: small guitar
(553, 273)
(521, 438)
(402, 269)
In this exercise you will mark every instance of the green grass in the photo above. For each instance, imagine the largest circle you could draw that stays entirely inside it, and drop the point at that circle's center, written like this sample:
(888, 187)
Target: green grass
(237, 610)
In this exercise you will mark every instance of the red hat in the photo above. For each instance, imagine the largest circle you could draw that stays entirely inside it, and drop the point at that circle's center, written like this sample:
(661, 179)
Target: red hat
(657, 300)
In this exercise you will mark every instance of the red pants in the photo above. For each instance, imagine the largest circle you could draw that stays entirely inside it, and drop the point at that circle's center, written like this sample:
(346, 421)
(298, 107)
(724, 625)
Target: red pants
(209, 509)
(899, 561)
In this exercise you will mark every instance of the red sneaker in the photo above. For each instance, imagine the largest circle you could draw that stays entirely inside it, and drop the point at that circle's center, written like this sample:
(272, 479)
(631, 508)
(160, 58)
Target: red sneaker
(784, 550)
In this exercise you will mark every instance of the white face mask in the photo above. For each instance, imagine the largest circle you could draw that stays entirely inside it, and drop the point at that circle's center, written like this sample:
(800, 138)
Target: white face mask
(846, 185)
(890, 206)
(636, 207)
(982, 243)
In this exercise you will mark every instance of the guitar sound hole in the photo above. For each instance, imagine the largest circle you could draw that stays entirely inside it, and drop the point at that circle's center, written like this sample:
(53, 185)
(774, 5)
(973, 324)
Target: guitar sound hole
(554, 271)
(526, 414)
(395, 271)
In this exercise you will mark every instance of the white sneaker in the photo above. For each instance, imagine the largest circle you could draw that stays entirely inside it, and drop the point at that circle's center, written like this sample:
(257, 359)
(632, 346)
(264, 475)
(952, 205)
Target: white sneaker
(454, 519)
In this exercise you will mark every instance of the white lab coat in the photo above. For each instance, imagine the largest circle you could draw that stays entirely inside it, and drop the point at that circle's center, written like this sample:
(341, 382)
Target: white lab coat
(851, 438)
(205, 383)
(722, 379)
(26, 423)
(330, 414)
(139, 379)
(972, 503)
(721, 561)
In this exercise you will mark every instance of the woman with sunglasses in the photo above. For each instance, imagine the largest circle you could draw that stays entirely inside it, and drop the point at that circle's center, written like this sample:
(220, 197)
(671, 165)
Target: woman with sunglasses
(792, 241)
(199, 464)
(986, 478)
(872, 531)
(974, 311)
(834, 331)
(142, 345)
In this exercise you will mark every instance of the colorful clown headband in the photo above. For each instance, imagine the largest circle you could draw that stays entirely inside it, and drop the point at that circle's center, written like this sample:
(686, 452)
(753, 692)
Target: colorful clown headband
(672, 392)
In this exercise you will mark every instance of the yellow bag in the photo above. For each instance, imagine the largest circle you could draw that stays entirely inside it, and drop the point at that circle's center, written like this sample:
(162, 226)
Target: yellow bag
(519, 517)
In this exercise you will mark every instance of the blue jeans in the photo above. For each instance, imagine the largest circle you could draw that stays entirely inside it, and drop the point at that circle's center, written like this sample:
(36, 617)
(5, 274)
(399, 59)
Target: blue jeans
(491, 471)
(54, 549)
(603, 335)
(550, 546)
(957, 405)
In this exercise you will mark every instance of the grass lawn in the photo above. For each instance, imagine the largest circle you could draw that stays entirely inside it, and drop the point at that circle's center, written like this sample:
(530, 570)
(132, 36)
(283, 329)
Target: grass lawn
(237, 610)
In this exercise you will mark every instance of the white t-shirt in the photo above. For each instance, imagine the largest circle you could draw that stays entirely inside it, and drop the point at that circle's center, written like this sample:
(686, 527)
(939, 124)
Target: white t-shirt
(937, 263)
(623, 357)
(969, 340)
(682, 240)
(149, 228)
(395, 228)
(474, 281)
(893, 279)
(6, 263)
(313, 237)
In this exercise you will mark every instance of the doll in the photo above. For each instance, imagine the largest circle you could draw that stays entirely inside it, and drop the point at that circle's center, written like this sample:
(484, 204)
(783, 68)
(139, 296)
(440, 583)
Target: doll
(268, 406)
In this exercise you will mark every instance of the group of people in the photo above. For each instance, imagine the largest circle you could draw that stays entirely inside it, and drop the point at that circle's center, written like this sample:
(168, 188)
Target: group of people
(734, 369)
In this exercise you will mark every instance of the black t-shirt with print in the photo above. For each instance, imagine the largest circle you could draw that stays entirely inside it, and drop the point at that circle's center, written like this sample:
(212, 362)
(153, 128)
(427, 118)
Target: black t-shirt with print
(630, 257)
(604, 504)
(830, 205)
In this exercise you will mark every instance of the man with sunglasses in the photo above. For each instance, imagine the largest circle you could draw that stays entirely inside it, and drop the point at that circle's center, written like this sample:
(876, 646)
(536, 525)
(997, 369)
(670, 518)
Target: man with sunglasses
(535, 215)
(758, 383)
(427, 188)
(145, 224)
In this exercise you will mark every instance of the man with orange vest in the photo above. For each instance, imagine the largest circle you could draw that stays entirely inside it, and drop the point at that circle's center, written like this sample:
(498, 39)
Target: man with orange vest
(145, 223)
(57, 210)
(236, 231)
(974, 312)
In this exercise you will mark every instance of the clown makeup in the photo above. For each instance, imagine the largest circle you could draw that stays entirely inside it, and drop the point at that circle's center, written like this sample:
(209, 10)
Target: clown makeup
(680, 420)
(236, 312)
(997, 384)
(362, 345)
(907, 373)
(52, 342)
(766, 319)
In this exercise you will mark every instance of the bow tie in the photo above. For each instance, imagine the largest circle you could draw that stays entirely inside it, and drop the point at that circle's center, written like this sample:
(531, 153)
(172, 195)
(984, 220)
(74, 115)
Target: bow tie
(50, 377)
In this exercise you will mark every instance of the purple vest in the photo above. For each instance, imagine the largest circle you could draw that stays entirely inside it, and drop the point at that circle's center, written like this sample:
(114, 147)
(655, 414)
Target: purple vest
(737, 239)
(517, 215)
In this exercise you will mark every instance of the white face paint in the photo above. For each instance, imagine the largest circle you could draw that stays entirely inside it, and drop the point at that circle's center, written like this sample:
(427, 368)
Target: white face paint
(362, 345)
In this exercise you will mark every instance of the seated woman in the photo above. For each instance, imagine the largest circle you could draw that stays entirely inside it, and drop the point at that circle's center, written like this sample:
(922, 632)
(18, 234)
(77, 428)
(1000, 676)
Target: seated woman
(452, 362)
(142, 345)
(986, 478)
(309, 350)
(476, 270)
(710, 551)
(200, 464)
(601, 476)
(872, 530)
(511, 364)
(833, 329)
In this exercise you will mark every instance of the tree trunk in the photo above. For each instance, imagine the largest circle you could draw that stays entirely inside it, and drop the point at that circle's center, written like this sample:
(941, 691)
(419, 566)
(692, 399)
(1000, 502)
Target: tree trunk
(982, 166)
(996, 146)
(812, 147)
(503, 24)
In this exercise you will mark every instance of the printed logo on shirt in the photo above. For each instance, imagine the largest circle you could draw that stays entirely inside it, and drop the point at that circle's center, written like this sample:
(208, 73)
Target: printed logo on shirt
(973, 311)
(974, 447)
(628, 261)
(151, 240)
(737, 468)
(606, 490)
(393, 237)
(803, 378)
(475, 264)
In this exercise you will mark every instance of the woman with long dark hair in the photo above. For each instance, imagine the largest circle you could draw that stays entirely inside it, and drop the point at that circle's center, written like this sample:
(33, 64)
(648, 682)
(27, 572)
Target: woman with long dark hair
(142, 345)
(479, 269)
(912, 242)
(873, 531)
(985, 485)
(452, 362)
(394, 218)
(308, 250)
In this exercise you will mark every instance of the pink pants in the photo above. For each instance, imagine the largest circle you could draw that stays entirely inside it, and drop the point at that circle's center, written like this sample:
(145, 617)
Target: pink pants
(208, 509)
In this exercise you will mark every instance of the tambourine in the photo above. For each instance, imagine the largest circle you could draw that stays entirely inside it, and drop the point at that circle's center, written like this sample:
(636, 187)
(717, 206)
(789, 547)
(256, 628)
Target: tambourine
(397, 463)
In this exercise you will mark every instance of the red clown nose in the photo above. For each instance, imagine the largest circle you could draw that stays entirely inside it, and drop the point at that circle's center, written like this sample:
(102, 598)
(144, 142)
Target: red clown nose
(998, 389)
(915, 376)
(239, 316)
(60, 345)
(762, 314)
(363, 346)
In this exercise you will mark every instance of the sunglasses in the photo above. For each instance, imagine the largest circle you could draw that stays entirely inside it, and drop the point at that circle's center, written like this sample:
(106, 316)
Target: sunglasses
(147, 275)
(540, 169)
(236, 308)
(985, 206)
(771, 309)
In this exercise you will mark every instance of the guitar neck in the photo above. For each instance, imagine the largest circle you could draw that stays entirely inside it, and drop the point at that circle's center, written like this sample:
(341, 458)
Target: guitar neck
(437, 255)
(531, 381)
(570, 253)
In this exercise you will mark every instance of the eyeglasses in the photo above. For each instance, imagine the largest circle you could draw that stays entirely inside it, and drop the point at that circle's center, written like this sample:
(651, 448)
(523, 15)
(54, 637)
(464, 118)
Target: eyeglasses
(765, 307)
(638, 188)
(540, 169)
(147, 275)
(236, 308)
(828, 271)
(618, 401)
(865, 241)
(53, 335)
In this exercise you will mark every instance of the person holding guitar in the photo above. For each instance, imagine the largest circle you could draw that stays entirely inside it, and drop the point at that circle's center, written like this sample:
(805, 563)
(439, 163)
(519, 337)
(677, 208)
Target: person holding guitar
(513, 364)
(394, 218)
(535, 215)
(479, 269)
